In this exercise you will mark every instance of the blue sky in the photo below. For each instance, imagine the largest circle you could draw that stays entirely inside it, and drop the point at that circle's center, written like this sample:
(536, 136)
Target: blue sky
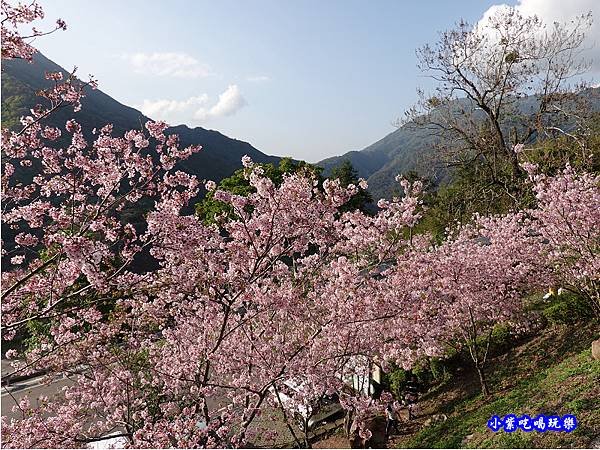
(309, 79)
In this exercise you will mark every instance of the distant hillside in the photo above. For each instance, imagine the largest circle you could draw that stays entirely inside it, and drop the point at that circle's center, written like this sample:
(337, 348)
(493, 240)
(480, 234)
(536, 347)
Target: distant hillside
(411, 148)
(407, 148)
(220, 155)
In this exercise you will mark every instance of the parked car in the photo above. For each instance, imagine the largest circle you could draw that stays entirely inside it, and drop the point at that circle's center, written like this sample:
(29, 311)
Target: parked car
(310, 416)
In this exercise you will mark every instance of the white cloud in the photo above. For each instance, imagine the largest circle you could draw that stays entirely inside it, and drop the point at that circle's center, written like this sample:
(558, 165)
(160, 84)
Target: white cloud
(259, 79)
(230, 102)
(170, 64)
(195, 109)
(163, 109)
(561, 11)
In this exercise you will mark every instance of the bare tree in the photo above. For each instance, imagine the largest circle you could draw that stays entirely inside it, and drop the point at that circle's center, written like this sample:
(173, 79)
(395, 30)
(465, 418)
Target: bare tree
(482, 75)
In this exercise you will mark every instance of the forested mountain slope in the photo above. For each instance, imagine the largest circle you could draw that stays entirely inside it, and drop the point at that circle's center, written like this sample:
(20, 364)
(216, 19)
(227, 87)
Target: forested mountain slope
(412, 147)
(220, 155)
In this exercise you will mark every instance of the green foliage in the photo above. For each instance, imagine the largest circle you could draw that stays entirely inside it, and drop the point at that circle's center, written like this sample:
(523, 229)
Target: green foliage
(583, 154)
(501, 339)
(502, 336)
(423, 373)
(579, 405)
(15, 98)
(559, 382)
(37, 332)
(428, 372)
(395, 380)
(471, 190)
(434, 371)
(439, 370)
(208, 209)
(514, 440)
(347, 175)
(567, 308)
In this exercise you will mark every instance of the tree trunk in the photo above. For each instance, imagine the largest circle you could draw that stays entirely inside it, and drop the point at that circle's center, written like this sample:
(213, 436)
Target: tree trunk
(348, 422)
(306, 430)
(484, 389)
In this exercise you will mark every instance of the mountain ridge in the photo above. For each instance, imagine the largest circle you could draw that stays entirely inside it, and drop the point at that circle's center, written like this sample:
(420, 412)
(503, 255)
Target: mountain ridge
(411, 147)
(220, 155)
(400, 151)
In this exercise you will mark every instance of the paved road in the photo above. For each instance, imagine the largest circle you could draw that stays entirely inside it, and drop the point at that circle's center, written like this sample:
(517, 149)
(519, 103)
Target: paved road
(6, 367)
(35, 387)
(32, 388)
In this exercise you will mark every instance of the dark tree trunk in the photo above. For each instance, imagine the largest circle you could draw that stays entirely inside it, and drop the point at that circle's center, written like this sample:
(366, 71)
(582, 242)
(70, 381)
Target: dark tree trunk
(484, 388)
(348, 422)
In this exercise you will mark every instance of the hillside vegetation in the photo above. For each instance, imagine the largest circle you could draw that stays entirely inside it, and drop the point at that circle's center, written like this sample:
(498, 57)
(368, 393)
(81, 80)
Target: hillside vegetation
(287, 299)
(550, 373)
(220, 155)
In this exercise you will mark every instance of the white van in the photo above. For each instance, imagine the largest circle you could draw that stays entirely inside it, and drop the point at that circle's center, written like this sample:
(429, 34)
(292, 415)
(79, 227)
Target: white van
(308, 416)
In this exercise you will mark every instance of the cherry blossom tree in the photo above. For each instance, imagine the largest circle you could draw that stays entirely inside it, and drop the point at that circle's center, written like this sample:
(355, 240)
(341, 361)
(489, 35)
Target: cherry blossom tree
(229, 315)
(187, 354)
(16, 44)
(193, 347)
(568, 217)
(479, 277)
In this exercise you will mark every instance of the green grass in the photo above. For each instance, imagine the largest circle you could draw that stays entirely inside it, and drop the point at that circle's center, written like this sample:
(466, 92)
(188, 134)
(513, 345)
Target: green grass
(553, 373)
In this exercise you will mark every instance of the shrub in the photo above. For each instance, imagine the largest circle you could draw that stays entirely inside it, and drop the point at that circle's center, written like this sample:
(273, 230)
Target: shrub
(567, 309)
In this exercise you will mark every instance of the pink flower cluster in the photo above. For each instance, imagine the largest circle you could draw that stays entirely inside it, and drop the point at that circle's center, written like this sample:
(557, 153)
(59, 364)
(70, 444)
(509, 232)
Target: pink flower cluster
(291, 296)
(15, 44)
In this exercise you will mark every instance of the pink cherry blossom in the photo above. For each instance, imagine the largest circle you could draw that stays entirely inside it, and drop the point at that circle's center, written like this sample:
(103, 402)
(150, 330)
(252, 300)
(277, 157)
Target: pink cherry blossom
(182, 334)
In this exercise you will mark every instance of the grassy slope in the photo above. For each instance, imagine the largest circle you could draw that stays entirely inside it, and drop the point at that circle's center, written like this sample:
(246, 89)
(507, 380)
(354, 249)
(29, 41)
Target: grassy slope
(551, 373)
